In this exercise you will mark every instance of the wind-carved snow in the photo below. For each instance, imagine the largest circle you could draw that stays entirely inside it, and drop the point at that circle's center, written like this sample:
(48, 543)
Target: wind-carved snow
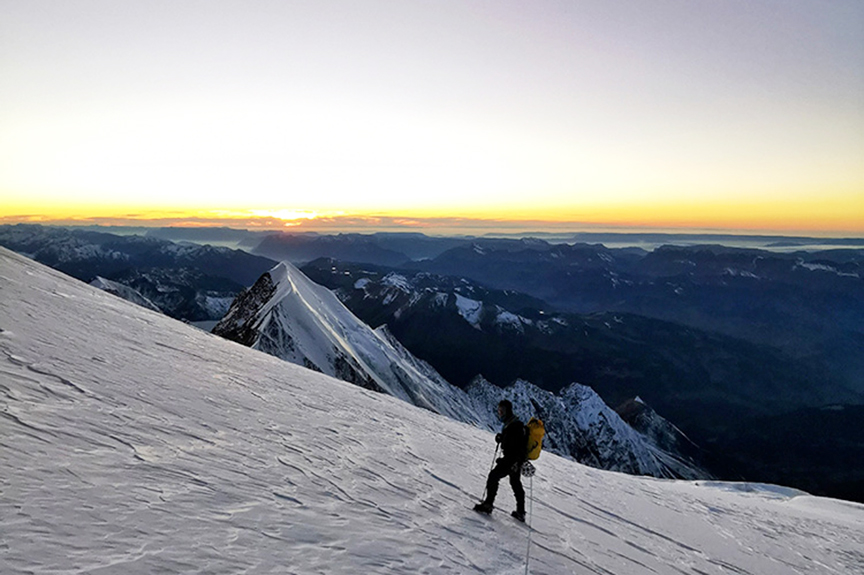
(135, 444)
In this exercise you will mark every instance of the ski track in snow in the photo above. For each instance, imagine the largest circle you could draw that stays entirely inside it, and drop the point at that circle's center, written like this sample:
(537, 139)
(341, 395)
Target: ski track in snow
(131, 443)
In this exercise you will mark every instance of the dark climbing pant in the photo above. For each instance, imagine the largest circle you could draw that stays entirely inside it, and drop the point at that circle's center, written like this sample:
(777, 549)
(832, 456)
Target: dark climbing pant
(501, 470)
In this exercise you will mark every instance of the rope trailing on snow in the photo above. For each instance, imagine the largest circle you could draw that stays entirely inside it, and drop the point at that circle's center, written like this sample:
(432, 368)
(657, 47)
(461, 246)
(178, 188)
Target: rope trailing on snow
(528, 470)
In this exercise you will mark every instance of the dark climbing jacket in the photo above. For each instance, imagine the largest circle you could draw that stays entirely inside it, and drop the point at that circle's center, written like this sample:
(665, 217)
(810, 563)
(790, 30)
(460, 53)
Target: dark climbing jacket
(513, 440)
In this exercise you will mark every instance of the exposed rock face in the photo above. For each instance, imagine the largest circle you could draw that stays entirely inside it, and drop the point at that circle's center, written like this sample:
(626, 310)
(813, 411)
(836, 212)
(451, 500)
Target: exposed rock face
(241, 323)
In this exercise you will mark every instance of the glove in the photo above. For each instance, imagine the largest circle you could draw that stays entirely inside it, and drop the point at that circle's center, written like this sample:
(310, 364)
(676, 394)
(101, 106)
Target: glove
(498, 438)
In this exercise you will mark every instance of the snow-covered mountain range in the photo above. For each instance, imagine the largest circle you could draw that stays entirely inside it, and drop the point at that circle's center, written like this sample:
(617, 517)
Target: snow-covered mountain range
(287, 315)
(132, 443)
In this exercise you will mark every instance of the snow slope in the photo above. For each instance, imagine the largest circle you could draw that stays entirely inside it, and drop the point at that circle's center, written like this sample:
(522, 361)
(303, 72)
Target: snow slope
(132, 443)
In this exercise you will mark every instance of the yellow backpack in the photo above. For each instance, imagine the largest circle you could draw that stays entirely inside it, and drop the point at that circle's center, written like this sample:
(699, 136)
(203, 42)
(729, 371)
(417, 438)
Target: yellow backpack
(536, 430)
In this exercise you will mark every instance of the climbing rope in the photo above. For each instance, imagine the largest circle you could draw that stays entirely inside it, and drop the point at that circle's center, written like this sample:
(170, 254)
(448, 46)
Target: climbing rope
(528, 470)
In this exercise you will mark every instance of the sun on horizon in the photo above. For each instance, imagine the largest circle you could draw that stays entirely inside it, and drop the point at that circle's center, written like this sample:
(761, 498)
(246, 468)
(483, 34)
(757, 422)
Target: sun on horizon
(314, 115)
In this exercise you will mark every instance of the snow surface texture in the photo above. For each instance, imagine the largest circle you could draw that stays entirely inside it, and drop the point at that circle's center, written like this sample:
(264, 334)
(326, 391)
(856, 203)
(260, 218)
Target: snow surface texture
(132, 443)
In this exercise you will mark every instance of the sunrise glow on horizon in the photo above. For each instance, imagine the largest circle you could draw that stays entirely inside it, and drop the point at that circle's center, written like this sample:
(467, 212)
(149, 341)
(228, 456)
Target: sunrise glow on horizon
(729, 116)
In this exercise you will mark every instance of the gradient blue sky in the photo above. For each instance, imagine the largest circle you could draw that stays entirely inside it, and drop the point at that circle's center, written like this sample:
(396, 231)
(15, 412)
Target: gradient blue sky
(726, 114)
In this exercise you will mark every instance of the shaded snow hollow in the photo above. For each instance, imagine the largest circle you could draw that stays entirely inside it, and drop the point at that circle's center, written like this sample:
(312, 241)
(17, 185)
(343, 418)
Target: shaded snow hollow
(132, 443)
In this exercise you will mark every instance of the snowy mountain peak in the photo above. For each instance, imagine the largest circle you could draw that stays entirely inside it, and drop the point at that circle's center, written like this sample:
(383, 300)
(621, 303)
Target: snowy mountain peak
(287, 315)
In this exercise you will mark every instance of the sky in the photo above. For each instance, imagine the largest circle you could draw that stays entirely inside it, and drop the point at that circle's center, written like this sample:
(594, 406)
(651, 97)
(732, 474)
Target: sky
(733, 115)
